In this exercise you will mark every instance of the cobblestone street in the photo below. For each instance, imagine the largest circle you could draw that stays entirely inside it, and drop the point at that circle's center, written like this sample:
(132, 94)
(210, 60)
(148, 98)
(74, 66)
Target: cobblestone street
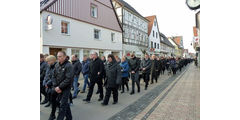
(173, 97)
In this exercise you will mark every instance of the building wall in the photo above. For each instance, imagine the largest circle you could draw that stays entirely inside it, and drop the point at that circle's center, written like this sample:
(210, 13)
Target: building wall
(81, 35)
(154, 39)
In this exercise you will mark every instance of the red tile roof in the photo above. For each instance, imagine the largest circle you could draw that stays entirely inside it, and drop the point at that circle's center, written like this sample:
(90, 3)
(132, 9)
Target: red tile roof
(150, 24)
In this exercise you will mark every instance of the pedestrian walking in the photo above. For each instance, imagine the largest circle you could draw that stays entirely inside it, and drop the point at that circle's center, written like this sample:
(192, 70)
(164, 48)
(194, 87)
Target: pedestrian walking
(125, 73)
(145, 67)
(85, 72)
(154, 69)
(43, 69)
(77, 68)
(95, 75)
(134, 64)
(62, 81)
(113, 79)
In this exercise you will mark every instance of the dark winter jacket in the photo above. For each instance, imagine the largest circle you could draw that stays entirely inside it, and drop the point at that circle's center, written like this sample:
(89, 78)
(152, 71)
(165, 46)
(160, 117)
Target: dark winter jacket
(43, 69)
(49, 75)
(77, 67)
(134, 64)
(63, 75)
(96, 66)
(147, 65)
(154, 66)
(113, 75)
(85, 67)
(124, 69)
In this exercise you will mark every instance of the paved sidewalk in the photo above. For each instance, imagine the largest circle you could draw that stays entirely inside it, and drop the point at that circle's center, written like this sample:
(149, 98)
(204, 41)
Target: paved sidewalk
(180, 101)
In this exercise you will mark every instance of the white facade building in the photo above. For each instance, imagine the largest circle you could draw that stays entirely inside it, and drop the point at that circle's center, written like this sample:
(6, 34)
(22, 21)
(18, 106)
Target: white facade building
(78, 36)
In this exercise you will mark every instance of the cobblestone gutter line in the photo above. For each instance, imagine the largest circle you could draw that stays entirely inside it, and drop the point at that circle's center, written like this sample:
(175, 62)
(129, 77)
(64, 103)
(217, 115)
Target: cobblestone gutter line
(137, 107)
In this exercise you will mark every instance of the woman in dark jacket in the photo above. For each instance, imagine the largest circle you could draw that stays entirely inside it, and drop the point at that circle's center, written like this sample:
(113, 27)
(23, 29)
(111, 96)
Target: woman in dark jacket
(124, 69)
(113, 79)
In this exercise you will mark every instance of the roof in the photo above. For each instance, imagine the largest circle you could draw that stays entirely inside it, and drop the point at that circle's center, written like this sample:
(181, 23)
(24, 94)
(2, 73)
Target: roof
(44, 4)
(177, 40)
(150, 24)
(165, 40)
(125, 4)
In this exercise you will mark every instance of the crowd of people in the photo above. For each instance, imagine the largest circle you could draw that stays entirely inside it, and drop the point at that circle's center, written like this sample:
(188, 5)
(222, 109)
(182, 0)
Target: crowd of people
(58, 76)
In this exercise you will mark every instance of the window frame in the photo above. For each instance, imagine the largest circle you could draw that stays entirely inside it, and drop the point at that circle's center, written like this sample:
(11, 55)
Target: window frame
(99, 36)
(93, 5)
(68, 27)
(113, 37)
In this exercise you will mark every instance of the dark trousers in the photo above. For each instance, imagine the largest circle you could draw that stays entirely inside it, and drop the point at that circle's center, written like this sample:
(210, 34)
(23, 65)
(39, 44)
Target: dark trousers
(114, 91)
(43, 91)
(134, 77)
(154, 76)
(125, 82)
(91, 87)
(146, 78)
(64, 109)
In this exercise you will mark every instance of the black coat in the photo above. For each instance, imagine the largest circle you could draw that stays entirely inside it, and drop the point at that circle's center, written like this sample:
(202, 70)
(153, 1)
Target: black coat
(63, 75)
(154, 66)
(147, 65)
(43, 69)
(134, 64)
(77, 67)
(49, 75)
(113, 75)
(96, 66)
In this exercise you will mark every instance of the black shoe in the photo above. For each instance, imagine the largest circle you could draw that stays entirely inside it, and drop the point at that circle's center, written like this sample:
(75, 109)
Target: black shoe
(44, 102)
(86, 100)
(114, 103)
(131, 93)
(52, 117)
(122, 92)
(151, 82)
(104, 104)
(139, 91)
(74, 97)
(97, 92)
(48, 104)
(100, 99)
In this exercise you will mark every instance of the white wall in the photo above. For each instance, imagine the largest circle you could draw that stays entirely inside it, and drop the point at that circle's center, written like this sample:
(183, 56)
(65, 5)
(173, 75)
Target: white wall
(154, 39)
(81, 35)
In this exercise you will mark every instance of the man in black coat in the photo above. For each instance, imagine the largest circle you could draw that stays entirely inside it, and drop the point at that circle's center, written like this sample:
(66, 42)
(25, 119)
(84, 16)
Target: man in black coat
(77, 68)
(145, 67)
(134, 64)
(95, 74)
(154, 69)
(62, 81)
(113, 79)
(43, 69)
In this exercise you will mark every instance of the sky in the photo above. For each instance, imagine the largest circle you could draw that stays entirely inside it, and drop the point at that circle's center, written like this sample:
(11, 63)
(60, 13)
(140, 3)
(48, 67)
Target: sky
(173, 16)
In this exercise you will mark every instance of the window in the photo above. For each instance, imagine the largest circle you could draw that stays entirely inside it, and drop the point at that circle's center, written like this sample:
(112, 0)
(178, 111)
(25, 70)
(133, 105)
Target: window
(155, 23)
(113, 37)
(153, 33)
(154, 45)
(65, 27)
(97, 34)
(151, 44)
(76, 52)
(156, 34)
(158, 46)
(93, 10)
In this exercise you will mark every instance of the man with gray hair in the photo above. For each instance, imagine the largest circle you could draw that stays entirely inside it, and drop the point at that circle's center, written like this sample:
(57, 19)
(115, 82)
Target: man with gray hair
(95, 74)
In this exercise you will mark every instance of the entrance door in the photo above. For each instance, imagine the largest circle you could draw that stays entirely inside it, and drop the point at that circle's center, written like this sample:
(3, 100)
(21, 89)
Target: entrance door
(54, 51)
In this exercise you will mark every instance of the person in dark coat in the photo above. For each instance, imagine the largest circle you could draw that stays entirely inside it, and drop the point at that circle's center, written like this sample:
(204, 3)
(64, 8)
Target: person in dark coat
(95, 74)
(163, 63)
(154, 69)
(77, 68)
(173, 65)
(47, 82)
(104, 72)
(124, 69)
(159, 67)
(43, 69)
(134, 64)
(145, 67)
(113, 79)
(62, 81)
(85, 72)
